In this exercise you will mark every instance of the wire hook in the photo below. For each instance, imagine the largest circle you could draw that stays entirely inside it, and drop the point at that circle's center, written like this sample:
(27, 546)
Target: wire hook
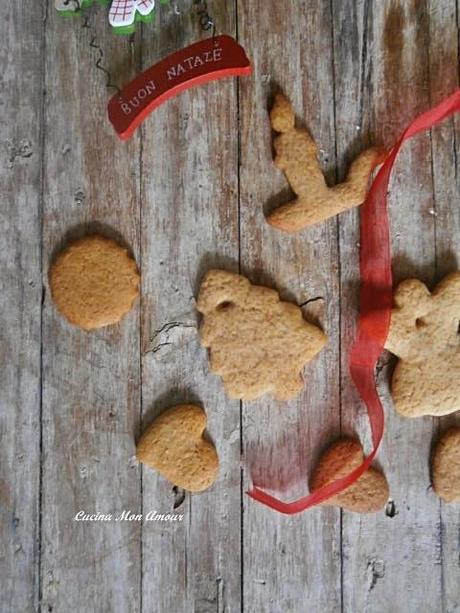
(206, 21)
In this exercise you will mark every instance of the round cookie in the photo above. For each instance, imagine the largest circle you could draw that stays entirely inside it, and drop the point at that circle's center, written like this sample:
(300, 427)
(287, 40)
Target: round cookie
(94, 282)
(446, 466)
(174, 446)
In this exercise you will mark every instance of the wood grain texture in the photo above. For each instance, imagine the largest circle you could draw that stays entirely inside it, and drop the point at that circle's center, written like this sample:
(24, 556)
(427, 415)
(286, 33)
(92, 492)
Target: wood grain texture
(445, 139)
(285, 556)
(189, 224)
(187, 193)
(91, 395)
(384, 555)
(20, 300)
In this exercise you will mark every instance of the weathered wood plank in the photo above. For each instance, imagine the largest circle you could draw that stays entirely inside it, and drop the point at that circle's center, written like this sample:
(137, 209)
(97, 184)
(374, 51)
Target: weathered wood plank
(290, 563)
(382, 82)
(91, 397)
(444, 79)
(21, 66)
(189, 224)
(356, 75)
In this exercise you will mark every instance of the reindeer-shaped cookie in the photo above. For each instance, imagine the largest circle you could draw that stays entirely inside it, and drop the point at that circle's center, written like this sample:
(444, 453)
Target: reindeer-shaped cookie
(296, 156)
(424, 336)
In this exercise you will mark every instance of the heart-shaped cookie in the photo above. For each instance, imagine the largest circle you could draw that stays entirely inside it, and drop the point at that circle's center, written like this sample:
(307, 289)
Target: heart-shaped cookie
(368, 495)
(174, 446)
(446, 466)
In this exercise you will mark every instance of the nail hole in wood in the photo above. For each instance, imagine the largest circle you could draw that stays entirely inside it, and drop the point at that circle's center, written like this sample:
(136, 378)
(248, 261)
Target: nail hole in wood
(179, 496)
(390, 510)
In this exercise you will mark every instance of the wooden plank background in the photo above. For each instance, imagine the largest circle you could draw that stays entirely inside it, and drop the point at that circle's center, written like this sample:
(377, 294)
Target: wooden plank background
(186, 193)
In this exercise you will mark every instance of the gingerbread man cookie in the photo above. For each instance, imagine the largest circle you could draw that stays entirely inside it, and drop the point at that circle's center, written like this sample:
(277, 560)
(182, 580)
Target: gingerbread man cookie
(367, 495)
(258, 343)
(296, 156)
(424, 336)
(94, 282)
(174, 446)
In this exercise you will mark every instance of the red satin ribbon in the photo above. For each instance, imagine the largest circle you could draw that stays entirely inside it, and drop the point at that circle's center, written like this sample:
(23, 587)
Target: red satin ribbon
(376, 296)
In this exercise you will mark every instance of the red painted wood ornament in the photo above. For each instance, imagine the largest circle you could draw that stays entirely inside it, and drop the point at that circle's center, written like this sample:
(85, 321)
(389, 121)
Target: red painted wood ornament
(207, 60)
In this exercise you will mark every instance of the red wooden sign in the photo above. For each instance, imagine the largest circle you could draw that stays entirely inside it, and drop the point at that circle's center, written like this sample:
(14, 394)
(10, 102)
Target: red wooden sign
(207, 60)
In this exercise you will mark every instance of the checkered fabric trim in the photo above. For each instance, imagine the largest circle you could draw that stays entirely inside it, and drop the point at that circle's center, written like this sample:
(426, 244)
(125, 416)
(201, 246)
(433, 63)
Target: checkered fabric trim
(123, 12)
(145, 6)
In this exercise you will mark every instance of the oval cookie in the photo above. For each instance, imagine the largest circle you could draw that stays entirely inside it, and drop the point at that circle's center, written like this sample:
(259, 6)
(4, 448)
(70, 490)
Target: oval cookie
(174, 446)
(446, 466)
(94, 282)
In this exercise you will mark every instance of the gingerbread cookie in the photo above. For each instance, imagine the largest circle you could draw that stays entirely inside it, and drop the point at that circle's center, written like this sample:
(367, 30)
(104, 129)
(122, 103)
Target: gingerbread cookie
(258, 344)
(370, 492)
(424, 336)
(446, 466)
(94, 282)
(174, 446)
(296, 156)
